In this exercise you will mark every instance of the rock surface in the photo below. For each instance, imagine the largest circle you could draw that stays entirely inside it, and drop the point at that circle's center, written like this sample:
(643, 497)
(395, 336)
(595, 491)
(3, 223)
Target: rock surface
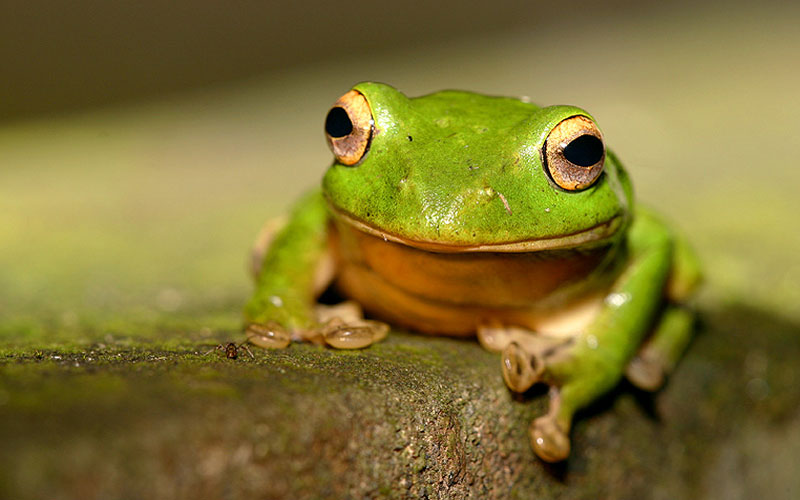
(413, 417)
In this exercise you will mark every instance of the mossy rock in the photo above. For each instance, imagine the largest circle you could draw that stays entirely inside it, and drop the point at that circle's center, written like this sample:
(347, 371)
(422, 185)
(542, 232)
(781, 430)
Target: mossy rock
(412, 417)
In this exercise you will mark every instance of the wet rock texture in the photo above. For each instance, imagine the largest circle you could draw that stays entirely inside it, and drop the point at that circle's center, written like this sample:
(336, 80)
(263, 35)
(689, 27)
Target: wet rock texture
(413, 417)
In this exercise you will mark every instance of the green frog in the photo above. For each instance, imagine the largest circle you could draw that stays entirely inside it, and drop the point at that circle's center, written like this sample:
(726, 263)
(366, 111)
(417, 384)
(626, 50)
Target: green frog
(463, 214)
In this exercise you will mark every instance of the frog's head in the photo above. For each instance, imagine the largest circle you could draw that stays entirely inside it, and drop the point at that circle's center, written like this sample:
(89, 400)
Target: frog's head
(457, 170)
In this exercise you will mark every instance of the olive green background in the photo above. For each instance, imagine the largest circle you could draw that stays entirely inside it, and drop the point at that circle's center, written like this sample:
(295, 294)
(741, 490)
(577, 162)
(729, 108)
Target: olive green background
(142, 147)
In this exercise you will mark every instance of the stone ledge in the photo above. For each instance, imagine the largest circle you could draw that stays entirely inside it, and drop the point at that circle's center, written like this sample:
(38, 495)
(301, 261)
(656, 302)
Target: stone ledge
(413, 417)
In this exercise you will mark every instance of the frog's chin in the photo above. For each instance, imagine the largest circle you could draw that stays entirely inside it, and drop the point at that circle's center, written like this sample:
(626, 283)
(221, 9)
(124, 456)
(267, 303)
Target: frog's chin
(588, 237)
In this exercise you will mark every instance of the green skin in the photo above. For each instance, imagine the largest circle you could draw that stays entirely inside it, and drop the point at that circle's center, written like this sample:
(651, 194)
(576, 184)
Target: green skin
(433, 172)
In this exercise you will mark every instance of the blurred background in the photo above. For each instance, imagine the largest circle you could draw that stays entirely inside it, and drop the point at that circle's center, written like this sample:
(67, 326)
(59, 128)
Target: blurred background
(143, 144)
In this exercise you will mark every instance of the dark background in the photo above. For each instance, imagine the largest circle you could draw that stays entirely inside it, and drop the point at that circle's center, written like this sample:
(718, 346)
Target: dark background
(66, 55)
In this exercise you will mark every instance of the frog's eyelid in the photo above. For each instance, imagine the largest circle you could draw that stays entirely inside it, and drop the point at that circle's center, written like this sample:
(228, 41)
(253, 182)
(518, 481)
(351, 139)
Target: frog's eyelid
(574, 153)
(349, 128)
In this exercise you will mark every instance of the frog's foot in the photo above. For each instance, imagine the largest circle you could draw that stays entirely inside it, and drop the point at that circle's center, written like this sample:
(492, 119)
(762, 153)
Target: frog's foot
(344, 327)
(269, 335)
(355, 335)
(657, 358)
(549, 434)
(526, 363)
(646, 370)
(524, 352)
(549, 438)
(341, 326)
(521, 369)
(576, 374)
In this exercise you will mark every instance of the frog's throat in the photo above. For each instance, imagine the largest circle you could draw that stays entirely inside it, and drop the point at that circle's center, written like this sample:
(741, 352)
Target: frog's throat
(595, 234)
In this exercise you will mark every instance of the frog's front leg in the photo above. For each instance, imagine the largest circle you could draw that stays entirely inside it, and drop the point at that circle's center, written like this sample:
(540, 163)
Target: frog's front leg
(296, 268)
(596, 359)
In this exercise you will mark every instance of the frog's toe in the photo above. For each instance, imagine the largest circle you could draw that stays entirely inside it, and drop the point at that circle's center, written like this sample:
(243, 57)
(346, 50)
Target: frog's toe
(548, 440)
(657, 358)
(269, 335)
(645, 372)
(344, 326)
(353, 335)
(521, 369)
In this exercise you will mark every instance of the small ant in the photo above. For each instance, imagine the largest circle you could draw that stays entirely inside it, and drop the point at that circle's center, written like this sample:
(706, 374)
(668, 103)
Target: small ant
(231, 350)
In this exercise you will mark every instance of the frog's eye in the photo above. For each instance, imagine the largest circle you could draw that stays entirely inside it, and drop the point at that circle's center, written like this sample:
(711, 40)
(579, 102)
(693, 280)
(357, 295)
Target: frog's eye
(348, 128)
(574, 153)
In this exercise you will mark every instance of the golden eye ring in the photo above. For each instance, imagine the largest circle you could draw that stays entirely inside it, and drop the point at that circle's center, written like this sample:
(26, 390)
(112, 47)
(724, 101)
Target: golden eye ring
(348, 128)
(574, 153)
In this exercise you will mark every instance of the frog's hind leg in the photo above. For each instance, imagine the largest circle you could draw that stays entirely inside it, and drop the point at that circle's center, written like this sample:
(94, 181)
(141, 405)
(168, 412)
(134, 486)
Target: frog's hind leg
(263, 241)
(659, 355)
(595, 360)
(551, 363)
(548, 362)
(672, 333)
(549, 434)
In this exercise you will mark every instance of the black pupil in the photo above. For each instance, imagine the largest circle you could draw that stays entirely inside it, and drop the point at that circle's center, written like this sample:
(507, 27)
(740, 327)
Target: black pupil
(338, 124)
(584, 151)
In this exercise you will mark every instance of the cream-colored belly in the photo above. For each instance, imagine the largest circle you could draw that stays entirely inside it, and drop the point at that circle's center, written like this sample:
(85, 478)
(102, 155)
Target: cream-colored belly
(554, 292)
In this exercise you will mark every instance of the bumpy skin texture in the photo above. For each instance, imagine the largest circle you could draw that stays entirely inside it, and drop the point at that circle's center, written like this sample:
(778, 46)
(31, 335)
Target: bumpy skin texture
(455, 174)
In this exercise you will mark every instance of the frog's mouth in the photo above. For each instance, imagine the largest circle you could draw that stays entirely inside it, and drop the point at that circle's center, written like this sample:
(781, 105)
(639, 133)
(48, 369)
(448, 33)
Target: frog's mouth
(595, 234)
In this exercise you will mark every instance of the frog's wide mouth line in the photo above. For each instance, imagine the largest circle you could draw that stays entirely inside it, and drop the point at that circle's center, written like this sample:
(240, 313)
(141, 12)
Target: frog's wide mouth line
(597, 233)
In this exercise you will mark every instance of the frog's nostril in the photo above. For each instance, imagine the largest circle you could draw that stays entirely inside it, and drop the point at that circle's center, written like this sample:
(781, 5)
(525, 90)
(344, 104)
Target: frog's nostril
(338, 123)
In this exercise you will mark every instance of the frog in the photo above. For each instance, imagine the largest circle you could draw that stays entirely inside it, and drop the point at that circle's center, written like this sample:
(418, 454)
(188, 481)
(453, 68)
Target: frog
(469, 215)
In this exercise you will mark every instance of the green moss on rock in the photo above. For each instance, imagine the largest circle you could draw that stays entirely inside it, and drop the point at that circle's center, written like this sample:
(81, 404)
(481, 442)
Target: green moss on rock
(413, 416)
